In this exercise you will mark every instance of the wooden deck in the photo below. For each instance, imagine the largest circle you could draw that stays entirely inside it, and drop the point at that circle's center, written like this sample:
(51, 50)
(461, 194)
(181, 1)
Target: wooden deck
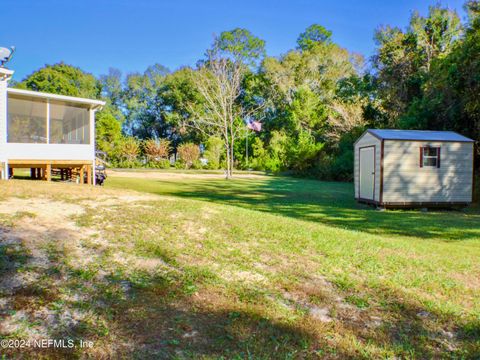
(67, 169)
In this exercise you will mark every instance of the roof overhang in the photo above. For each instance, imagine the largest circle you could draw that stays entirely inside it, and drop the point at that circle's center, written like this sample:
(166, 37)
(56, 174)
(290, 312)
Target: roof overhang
(93, 104)
(5, 74)
(416, 135)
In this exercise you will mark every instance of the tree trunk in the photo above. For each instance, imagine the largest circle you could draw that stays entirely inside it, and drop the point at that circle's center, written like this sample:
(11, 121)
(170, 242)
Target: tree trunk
(227, 173)
(231, 157)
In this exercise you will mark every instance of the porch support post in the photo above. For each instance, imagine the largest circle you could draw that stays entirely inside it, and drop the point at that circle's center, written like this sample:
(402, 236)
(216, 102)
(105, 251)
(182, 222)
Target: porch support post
(48, 170)
(89, 174)
(82, 174)
(94, 173)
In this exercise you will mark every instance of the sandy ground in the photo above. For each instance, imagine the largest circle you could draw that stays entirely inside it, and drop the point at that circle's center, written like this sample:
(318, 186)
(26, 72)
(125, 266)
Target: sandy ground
(39, 223)
(160, 175)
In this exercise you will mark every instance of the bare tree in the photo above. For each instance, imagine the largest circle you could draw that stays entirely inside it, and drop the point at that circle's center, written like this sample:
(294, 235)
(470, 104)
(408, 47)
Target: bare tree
(218, 80)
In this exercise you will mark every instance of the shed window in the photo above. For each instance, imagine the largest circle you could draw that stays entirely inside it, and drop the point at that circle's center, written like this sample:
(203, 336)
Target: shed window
(430, 156)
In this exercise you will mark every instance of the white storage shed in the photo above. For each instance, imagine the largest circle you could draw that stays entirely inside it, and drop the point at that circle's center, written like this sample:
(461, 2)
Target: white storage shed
(413, 168)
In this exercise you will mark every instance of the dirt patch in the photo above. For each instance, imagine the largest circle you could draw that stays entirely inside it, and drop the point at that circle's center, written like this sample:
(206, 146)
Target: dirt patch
(243, 276)
(41, 229)
(468, 279)
(193, 230)
(320, 300)
(49, 211)
(109, 200)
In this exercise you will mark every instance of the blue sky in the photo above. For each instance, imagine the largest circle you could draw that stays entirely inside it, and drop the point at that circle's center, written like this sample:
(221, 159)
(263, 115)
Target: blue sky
(131, 35)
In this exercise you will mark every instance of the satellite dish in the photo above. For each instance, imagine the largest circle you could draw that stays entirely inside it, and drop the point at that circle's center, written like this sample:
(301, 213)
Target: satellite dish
(6, 55)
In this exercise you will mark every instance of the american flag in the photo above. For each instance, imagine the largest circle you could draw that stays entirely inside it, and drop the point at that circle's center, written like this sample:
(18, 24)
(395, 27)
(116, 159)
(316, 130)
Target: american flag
(255, 126)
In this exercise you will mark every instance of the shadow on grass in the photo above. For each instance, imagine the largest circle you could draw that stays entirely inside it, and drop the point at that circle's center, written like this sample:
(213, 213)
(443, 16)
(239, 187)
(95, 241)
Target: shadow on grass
(330, 203)
(174, 312)
(164, 320)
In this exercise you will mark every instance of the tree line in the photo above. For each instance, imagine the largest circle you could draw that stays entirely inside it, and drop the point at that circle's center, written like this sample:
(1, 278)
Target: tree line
(312, 102)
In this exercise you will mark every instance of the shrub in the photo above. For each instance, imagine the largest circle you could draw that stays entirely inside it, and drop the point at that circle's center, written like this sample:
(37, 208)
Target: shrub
(197, 164)
(159, 164)
(164, 164)
(259, 155)
(128, 164)
(108, 133)
(189, 153)
(179, 164)
(129, 149)
(213, 152)
(302, 152)
(269, 158)
(155, 150)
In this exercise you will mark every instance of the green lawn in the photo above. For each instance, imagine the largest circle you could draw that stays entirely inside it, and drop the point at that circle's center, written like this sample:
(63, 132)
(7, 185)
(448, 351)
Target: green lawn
(263, 268)
(394, 264)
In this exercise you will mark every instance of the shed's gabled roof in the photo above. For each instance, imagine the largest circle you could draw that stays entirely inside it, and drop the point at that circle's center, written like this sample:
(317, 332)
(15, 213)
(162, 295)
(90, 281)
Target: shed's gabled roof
(418, 135)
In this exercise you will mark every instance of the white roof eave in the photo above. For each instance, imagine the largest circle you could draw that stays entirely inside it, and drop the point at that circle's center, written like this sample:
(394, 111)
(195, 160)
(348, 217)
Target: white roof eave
(94, 104)
(6, 73)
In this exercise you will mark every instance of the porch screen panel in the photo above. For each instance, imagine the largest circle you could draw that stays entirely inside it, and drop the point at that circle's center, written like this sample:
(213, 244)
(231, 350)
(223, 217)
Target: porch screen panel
(69, 124)
(27, 121)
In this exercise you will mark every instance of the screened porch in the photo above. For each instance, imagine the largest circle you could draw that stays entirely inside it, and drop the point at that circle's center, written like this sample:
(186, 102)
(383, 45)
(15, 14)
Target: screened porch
(44, 121)
(50, 133)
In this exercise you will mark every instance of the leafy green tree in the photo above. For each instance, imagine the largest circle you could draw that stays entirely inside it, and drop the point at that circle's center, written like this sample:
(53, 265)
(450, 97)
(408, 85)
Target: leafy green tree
(301, 88)
(303, 152)
(214, 150)
(313, 35)
(403, 58)
(142, 105)
(62, 79)
(436, 34)
(180, 102)
(308, 110)
(112, 88)
(450, 100)
(241, 45)
(108, 133)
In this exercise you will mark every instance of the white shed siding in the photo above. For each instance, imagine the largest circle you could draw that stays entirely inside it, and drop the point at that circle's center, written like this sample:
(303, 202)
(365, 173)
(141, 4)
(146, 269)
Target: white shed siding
(368, 139)
(405, 181)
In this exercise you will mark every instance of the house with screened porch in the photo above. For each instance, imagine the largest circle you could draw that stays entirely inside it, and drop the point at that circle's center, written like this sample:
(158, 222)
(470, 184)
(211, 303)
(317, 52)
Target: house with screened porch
(46, 133)
(398, 168)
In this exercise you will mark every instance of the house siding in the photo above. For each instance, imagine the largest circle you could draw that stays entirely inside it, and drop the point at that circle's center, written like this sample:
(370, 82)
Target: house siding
(405, 181)
(3, 118)
(17, 151)
(368, 139)
(3, 127)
